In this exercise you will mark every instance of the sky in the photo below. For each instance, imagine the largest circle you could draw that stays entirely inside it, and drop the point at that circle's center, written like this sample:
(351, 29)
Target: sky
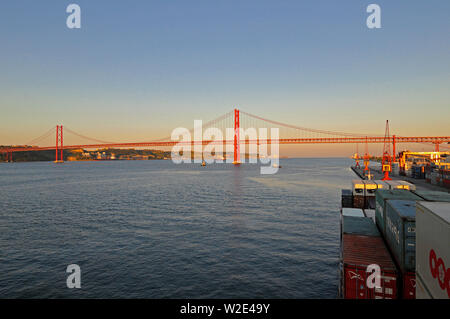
(138, 69)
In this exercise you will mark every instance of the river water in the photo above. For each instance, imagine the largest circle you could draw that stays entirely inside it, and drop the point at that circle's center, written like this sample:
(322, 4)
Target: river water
(153, 229)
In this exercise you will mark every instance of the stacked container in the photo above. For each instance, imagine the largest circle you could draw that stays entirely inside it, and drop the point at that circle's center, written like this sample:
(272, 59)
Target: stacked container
(358, 252)
(362, 246)
(418, 171)
(381, 196)
(369, 194)
(370, 213)
(421, 291)
(382, 185)
(395, 169)
(358, 186)
(395, 185)
(428, 171)
(406, 185)
(347, 198)
(349, 212)
(359, 226)
(446, 178)
(433, 250)
(433, 196)
(401, 239)
(352, 212)
(345, 213)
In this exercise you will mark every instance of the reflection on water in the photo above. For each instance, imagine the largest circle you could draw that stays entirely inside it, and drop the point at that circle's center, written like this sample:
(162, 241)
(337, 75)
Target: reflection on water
(158, 230)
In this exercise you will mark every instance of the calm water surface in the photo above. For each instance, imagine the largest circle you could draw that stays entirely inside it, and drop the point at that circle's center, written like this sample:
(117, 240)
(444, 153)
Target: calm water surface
(153, 229)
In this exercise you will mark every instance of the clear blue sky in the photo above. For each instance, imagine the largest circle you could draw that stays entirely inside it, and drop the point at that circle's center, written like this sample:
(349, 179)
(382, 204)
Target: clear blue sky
(138, 69)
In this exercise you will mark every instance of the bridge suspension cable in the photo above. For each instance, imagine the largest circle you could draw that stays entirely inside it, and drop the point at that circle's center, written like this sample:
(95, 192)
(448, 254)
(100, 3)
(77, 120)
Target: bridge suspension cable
(307, 129)
(42, 137)
(86, 137)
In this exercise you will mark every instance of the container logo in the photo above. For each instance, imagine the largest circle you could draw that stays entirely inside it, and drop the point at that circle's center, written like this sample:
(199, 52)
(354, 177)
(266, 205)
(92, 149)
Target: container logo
(394, 230)
(439, 272)
(373, 279)
(354, 275)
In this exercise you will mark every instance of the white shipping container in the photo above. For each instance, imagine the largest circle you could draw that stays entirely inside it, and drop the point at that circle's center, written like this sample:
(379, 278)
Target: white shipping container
(382, 184)
(421, 291)
(433, 247)
(369, 188)
(395, 184)
(407, 185)
(358, 186)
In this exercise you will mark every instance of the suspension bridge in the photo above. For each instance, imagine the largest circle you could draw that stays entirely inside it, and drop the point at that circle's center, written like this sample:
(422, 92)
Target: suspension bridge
(237, 120)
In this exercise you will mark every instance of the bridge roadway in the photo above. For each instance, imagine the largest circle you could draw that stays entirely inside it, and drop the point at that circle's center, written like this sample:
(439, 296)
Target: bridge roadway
(322, 140)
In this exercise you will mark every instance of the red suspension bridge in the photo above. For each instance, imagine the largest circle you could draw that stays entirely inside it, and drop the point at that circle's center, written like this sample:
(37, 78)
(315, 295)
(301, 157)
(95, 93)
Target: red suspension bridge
(237, 120)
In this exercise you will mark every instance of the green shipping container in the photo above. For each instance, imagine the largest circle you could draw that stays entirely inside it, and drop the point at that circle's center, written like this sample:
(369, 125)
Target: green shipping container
(434, 196)
(363, 226)
(381, 196)
(401, 232)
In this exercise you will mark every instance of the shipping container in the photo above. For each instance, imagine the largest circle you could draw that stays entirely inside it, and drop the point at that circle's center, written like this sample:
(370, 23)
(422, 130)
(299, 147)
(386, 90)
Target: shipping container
(354, 212)
(435, 178)
(382, 185)
(358, 252)
(381, 196)
(369, 194)
(358, 193)
(418, 171)
(401, 232)
(421, 291)
(394, 185)
(407, 185)
(446, 178)
(433, 196)
(395, 169)
(370, 213)
(433, 247)
(346, 198)
(409, 285)
(359, 226)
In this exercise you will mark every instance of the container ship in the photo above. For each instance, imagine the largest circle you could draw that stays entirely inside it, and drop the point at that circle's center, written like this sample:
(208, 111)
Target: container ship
(402, 228)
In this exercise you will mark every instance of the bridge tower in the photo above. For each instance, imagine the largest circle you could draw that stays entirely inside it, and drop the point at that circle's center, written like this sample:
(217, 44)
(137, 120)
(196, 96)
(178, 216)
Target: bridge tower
(387, 159)
(59, 144)
(237, 157)
(8, 157)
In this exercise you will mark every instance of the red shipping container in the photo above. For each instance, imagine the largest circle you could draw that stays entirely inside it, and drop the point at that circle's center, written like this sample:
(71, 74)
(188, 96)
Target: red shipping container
(409, 285)
(358, 252)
